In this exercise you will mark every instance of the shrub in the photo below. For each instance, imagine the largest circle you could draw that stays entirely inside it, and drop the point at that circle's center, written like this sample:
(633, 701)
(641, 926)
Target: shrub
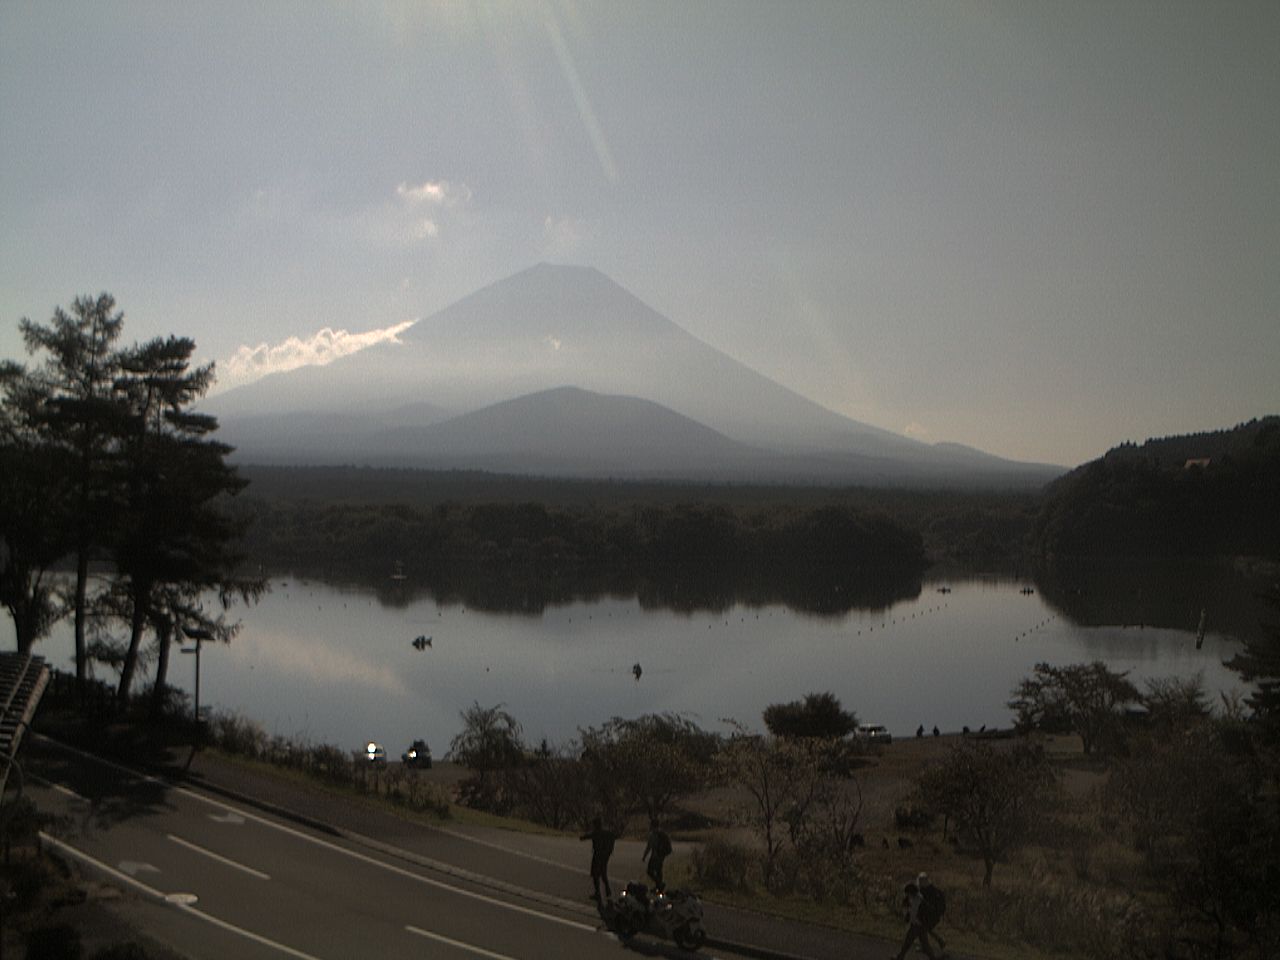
(121, 951)
(913, 816)
(60, 942)
(817, 715)
(27, 880)
(329, 762)
(1048, 915)
(551, 789)
(238, 735)
(431, 798)
(724, 864)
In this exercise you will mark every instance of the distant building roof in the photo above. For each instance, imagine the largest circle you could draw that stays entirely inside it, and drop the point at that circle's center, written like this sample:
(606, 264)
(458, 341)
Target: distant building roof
(1196, 462)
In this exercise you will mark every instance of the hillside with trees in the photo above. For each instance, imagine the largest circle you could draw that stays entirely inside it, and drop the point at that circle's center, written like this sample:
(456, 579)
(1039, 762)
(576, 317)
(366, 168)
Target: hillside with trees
(1201, 495)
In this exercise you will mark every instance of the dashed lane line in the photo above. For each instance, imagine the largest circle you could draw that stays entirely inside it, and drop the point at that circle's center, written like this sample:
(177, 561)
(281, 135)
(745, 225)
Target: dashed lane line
(217, 856)
(189, 908)
(478, 951)
(317, 841)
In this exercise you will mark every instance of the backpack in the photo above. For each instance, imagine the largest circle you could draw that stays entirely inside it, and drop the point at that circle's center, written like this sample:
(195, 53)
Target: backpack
(662, 844)
(932, 907)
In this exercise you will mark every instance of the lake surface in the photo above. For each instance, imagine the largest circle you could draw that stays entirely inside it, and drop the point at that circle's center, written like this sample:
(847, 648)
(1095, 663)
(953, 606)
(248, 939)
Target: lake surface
(331, 664)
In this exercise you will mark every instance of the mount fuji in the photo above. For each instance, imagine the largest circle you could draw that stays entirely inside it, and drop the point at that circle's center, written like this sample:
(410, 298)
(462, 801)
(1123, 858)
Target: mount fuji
(558, 370)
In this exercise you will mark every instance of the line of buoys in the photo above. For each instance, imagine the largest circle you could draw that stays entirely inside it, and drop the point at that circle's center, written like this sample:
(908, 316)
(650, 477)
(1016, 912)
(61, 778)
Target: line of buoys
(885, 625)
(1031, 630)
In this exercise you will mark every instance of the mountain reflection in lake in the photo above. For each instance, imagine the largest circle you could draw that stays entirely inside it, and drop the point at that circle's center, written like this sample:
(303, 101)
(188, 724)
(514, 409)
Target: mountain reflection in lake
(337, 665)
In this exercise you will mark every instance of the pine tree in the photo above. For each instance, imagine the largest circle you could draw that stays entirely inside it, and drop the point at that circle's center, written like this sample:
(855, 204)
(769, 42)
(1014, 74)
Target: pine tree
(1259, 663)
(80, 413)
(34, 507)
(173, 531)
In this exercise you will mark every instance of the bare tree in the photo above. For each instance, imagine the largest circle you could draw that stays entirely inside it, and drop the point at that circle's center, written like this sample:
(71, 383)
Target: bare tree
(647, 762)
(782, 777)
(993, 796)
(1084, 698)
(1207, 823)
(552, 787)
(488, 744)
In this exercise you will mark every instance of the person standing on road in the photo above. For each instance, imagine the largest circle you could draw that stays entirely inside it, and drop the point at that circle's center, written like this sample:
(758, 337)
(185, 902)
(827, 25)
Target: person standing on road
(657, 849)
(602, 842)
(915, 930)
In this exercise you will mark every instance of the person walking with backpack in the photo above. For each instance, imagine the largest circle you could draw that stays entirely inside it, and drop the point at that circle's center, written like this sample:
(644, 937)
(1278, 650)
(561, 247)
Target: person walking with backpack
(933, 905)
(912, 901)
(656, 850)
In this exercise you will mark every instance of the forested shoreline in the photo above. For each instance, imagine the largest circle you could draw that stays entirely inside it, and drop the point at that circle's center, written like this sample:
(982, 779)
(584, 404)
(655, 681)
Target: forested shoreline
(1200, 495)
(524, 556)
(299, 512)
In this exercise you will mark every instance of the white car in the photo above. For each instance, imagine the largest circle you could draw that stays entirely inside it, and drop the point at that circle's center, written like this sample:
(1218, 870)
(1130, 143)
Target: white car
(874, 732)
(374, 753)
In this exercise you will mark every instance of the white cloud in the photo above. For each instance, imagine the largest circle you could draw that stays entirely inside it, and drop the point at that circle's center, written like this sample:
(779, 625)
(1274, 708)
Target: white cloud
(437, 193)
(406, 223)
(326, 345)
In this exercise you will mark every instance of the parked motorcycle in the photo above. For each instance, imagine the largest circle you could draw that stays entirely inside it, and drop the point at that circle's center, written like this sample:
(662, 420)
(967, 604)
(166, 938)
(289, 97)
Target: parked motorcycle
(675, 914)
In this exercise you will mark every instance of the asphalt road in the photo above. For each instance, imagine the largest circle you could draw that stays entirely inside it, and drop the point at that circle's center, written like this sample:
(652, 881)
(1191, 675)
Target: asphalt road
(213, 879)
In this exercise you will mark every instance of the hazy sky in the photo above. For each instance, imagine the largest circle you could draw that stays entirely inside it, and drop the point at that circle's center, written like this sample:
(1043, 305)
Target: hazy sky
(1037, 228)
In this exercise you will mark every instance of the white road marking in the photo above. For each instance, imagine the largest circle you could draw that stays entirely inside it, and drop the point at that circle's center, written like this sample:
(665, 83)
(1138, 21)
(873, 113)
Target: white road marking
(478, 951)
(164, 898)
(459, 835)
(353, 854)
(217, 856)
(227, 818)
(134, 867)
(242, 815)
(65, 791)
(410, 875)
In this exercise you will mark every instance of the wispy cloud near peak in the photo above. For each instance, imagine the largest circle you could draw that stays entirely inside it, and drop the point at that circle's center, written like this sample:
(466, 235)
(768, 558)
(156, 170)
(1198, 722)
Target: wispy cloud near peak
(250, 363)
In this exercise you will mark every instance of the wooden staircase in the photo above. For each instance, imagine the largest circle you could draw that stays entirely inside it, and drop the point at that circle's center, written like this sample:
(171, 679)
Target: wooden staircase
(23, 678)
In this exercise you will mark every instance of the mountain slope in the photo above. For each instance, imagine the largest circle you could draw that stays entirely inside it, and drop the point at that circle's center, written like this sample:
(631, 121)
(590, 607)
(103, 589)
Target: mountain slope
(565, 431)
(552, 326)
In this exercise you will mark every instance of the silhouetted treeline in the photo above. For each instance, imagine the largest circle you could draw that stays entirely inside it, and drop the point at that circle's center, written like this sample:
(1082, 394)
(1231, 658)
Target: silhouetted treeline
(1208, 494)
(522, 556)
(981, 529)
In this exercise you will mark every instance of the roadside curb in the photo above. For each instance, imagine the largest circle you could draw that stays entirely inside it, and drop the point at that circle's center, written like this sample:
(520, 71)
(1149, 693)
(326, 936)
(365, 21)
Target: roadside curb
(439, 866)
(183, 778)
(480, 880)
(459, 873)
(749, 950)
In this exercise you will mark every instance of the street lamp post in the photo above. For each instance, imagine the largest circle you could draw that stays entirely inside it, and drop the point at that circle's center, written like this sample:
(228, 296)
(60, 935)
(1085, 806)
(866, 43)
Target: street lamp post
(199, 635)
